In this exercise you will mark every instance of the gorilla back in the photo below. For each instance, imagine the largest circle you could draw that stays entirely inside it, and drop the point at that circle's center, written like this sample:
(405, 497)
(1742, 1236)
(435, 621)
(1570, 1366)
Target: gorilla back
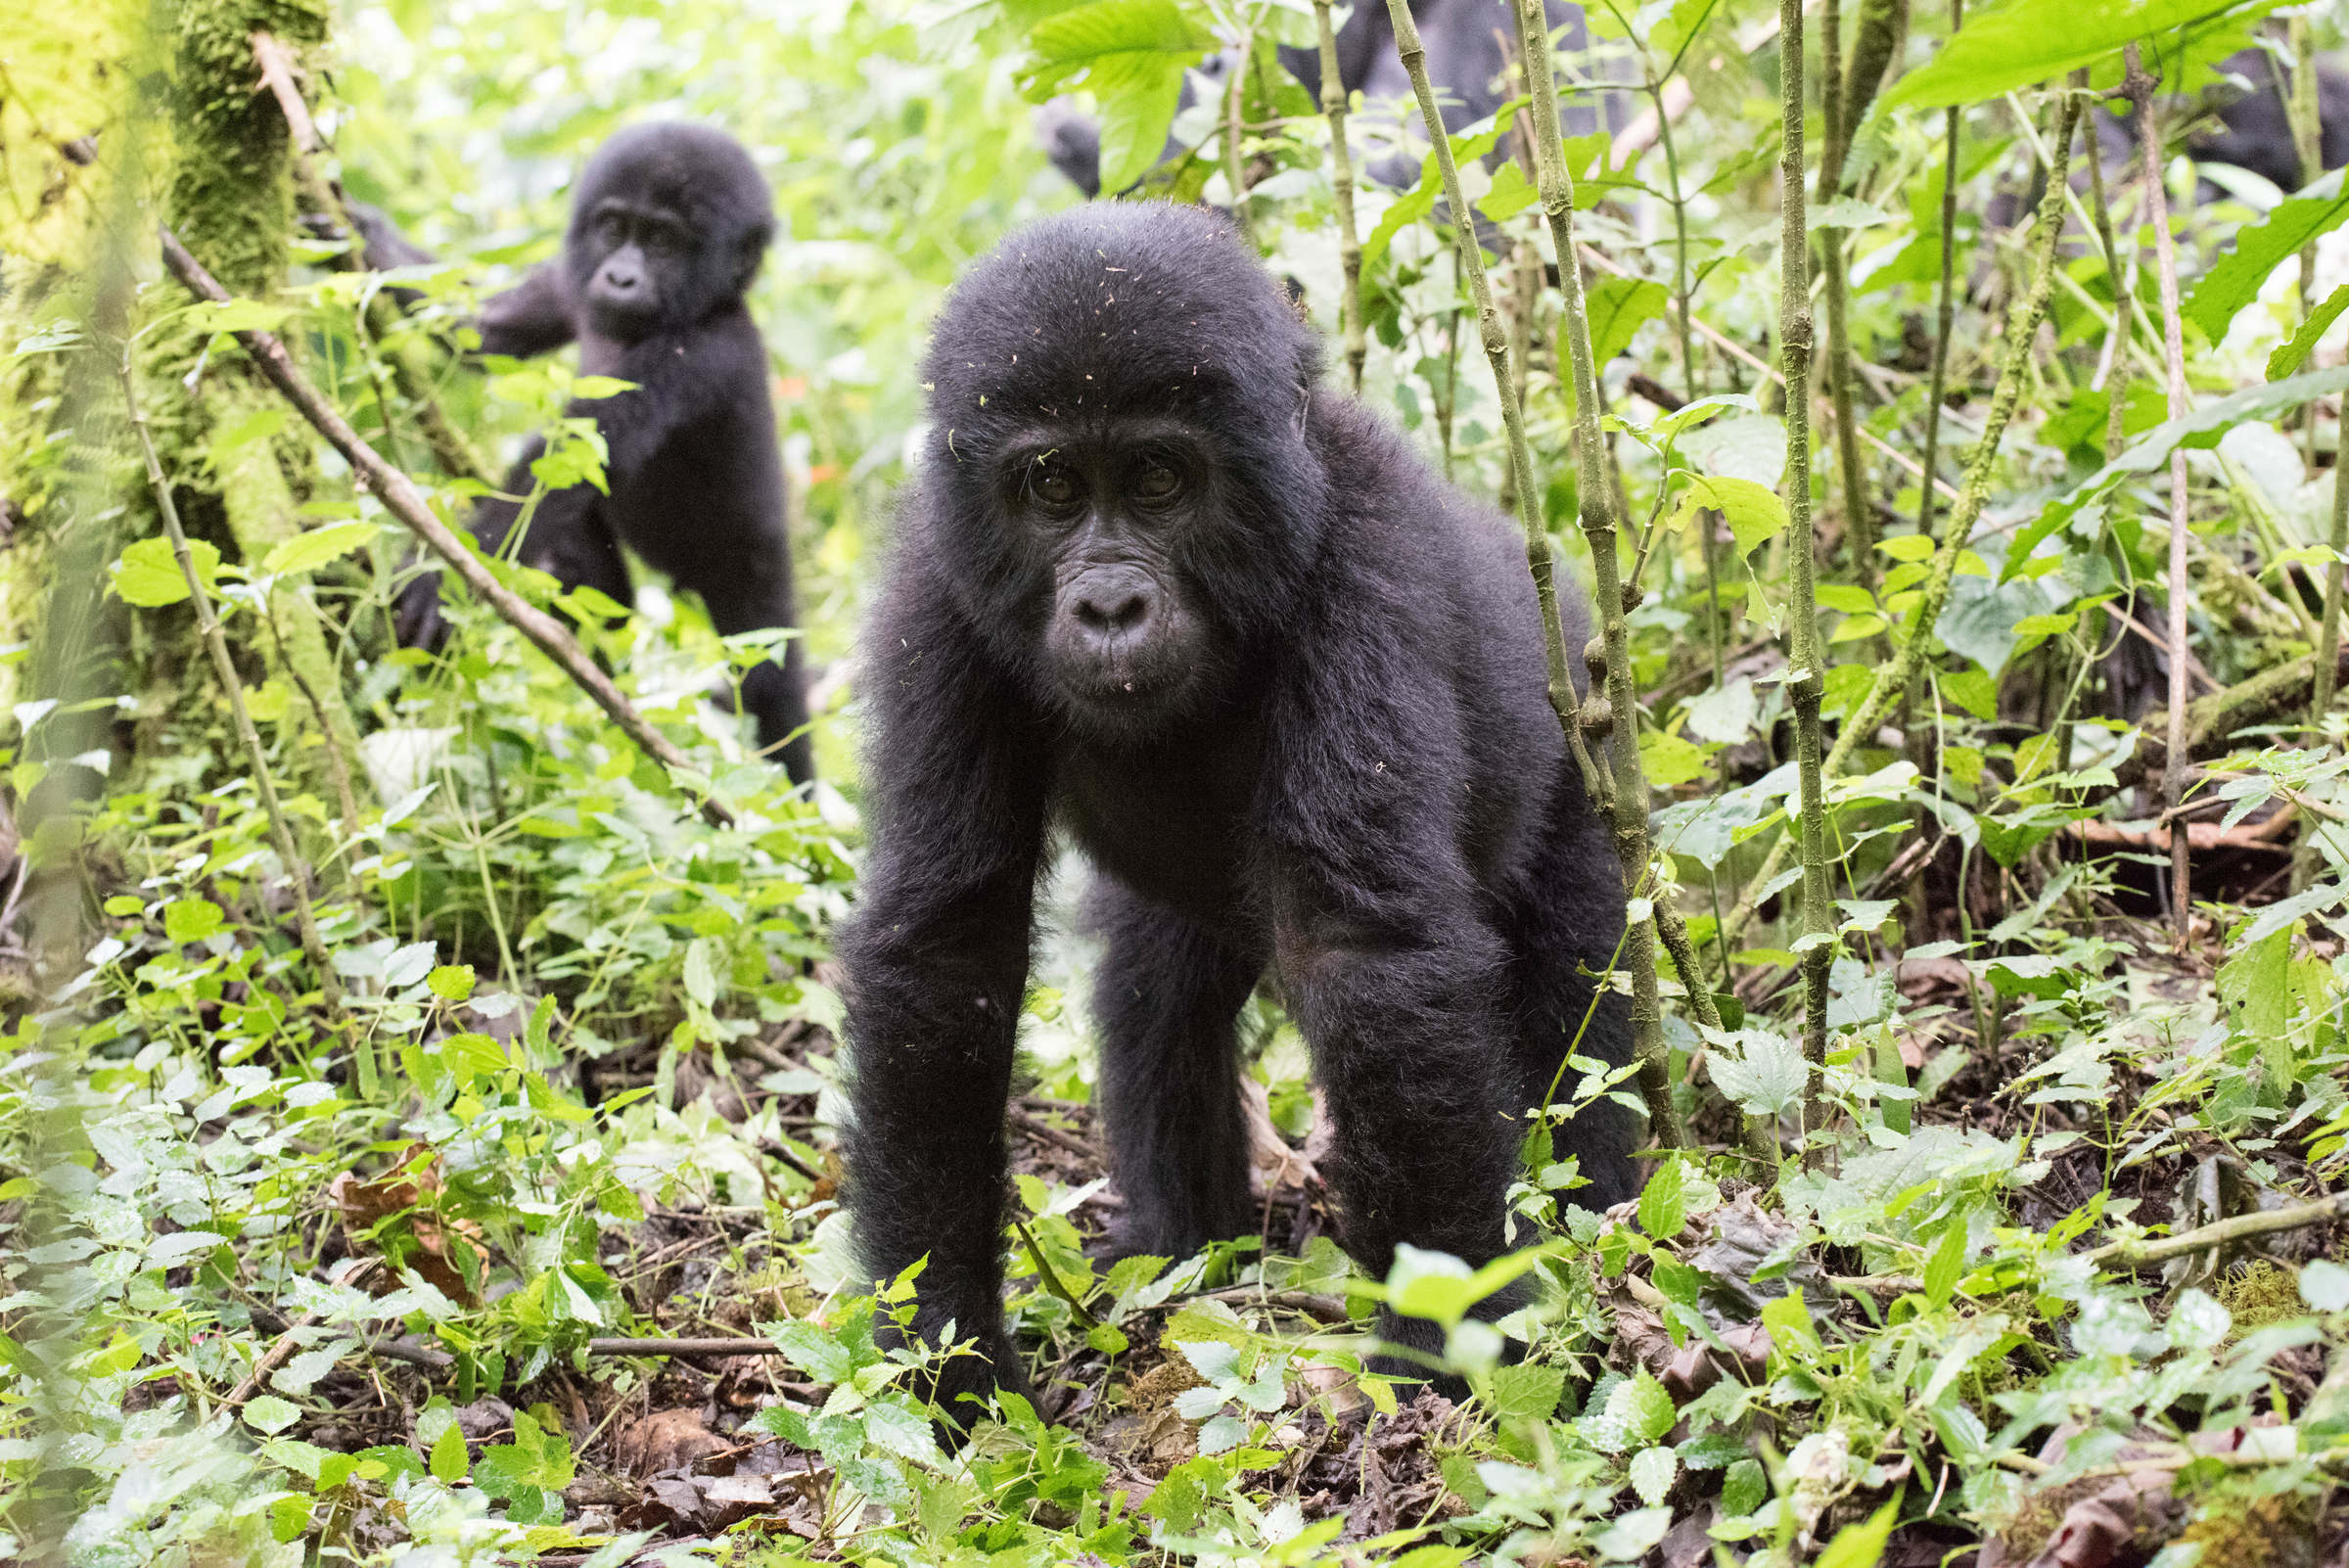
(1160, 589)
(668, 229)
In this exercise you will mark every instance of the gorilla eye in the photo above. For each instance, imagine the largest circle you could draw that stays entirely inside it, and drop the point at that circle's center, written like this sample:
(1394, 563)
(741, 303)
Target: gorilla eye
(1157, 482)
(1052, 485)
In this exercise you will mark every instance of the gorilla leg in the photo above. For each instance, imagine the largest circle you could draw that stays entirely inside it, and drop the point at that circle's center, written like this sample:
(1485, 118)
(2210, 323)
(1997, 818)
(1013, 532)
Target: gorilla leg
(568, 536)
(1166, 996)
(1559, 937)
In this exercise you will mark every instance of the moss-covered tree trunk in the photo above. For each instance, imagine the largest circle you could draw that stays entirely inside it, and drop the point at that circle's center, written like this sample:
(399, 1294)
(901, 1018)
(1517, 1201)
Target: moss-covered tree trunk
(240, 473)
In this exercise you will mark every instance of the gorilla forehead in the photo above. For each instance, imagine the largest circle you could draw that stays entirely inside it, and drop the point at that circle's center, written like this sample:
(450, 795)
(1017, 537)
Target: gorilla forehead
(1118, 309)
(705, 174)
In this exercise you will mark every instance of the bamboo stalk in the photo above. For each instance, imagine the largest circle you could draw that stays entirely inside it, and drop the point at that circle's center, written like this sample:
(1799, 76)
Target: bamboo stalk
(2014, 369)
(1628, 788)
(215, 643)
(1341, 181)
(402, 500)
(2139, 87)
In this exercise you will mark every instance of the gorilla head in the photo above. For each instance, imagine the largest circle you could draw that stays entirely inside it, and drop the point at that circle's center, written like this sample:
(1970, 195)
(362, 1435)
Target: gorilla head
(669, 223)
(1118, 451)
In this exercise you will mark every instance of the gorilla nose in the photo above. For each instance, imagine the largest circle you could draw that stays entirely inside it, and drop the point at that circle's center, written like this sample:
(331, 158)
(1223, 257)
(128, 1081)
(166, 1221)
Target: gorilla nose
(621, 278)
(1112, 604)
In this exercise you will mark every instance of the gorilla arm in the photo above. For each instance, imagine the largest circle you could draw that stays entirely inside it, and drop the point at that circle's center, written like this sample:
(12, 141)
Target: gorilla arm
(936, 961)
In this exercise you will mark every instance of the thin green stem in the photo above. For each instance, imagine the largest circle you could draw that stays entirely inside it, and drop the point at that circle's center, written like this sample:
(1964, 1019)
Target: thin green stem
(1341, 182)
(1629, 789)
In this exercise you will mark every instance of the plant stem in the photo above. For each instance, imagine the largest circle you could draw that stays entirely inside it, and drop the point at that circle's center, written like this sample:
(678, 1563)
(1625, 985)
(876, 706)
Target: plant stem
(2124, 297)
(1235, 171)
(2022, 326)
(2238, 1227)
(400, 498)
(1597, 506)
(1629, 789)
(2139, 87)
(215, 643)
(1341, 180)
(2300, 107)
(1945, 305)
(1806, 684)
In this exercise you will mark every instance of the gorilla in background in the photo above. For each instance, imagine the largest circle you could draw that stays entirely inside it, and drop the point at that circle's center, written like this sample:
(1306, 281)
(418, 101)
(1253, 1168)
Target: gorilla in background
(2253, 131)
(667, 229)
(1466, 62)
(1159, 589)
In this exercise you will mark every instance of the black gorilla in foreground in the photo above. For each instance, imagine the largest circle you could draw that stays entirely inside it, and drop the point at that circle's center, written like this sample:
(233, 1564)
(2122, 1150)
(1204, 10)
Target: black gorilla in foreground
(667, 229)
(1160, 589)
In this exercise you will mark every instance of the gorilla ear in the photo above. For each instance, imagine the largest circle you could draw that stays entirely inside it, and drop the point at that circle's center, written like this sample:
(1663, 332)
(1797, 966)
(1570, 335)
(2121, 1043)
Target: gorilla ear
(750, 251)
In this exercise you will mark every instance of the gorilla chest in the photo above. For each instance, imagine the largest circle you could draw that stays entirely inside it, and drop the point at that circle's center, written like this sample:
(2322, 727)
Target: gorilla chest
(1169, 823)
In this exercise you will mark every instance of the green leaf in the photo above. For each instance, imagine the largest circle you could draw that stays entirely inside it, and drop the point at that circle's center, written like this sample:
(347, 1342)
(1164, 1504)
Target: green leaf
(1130, 54)
(702, 965)
(1526, 1392)
(308, 551)
(1617, 308)
(2290, 354)
(1946, 1264)
(2015, 45)
(1651, 1474)
(2324, 1286)
(1743, 1488)
(191, 919)
(451, 982)
(1754, 511)
(1664, 1202)
(811, 1350)
(898, 1428)
(449, 1458)
(1862, 1544)
(2233, 282)
(148, 574)
(268, 1413)
(1511, 193)
(1764, 1077)
(1640, 1410)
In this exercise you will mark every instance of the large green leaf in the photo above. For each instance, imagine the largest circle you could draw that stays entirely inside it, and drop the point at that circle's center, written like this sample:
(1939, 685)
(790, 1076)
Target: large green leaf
(2234, 281)
(1130, 55)
(2035, 40)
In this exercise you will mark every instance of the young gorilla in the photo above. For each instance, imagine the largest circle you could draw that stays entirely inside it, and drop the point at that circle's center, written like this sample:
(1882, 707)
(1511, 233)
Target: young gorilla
(1160, 589)
(667, 231)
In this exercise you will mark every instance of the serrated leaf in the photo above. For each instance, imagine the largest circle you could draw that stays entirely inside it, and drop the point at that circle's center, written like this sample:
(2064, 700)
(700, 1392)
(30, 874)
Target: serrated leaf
(191, 919)
(811, 1350)
(1664, 1202)
(1617, 308)
(310, 550)
(172, 1250)
(449, 1458)
(1862, 1544)
(2234, 279)
(900, 1430)
(2290, 354)
(1640, 1409)
(1764, 1077)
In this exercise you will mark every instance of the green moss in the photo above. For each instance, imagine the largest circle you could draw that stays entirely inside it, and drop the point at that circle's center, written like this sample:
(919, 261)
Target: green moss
(2258, 1294)
(2277, 1531)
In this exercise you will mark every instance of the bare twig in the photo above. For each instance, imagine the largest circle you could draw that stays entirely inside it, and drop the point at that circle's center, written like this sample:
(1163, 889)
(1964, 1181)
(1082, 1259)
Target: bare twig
(1051, 1277)
(2138, 1253)
(401, 497)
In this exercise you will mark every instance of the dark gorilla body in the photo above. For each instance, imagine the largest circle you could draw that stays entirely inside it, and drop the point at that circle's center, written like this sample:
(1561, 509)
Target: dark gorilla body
(667, 229)
(1159, 589)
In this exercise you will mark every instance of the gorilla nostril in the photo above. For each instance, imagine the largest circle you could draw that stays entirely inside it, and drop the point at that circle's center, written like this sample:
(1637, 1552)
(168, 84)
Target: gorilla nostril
(1114, 612)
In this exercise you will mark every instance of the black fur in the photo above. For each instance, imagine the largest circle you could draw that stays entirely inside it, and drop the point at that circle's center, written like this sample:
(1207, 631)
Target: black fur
(667, 231)
(1292, 709)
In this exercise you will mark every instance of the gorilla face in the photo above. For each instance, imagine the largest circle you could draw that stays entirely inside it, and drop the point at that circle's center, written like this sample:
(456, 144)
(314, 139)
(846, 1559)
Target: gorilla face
(668, 227)
(637, 259)
(1107, 516)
